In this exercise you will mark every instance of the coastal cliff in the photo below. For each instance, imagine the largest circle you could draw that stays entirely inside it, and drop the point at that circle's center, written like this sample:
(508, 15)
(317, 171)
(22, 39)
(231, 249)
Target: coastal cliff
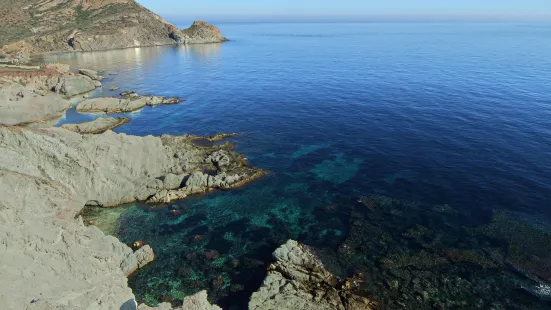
(31, 27)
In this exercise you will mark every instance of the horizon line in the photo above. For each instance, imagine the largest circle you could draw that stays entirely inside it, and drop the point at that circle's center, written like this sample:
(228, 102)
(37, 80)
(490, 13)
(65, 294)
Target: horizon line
(366, 18)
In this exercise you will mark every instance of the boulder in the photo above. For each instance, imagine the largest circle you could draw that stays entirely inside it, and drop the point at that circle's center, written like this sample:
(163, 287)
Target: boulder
(298, 280)
(198, 301)
(72, 85)
(99, 125)
(91, 74)
(144, 255)
(173, 181)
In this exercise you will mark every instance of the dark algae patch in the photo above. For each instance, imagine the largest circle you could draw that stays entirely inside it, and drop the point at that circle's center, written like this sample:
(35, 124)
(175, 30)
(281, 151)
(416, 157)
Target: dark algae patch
(411, 255)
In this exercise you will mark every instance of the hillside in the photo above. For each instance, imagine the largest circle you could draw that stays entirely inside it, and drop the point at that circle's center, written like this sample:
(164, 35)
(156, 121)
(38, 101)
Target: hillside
(40, 26)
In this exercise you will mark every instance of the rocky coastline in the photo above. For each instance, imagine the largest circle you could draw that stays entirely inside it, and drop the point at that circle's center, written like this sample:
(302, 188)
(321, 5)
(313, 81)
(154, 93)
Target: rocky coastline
(29, 28)
(55, 172)
(50, 258)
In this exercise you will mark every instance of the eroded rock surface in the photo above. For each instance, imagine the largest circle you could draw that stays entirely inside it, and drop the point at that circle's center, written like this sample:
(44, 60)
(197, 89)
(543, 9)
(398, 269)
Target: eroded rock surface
(129, 103)
(90, 73)
(194, 302)
(72, 85)
(99, 125)
(298, 280)
(49, 258)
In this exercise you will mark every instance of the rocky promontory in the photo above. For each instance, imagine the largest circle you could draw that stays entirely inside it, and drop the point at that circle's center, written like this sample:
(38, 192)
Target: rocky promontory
(49, 175)
(298, 280)
(33, 27)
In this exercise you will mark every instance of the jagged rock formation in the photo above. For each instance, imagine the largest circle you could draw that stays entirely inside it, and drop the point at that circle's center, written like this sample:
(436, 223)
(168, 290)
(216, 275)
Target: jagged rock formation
(99, 125)
(298, 280)
(128, 103)
(49, 259)
(33, 96)
(194, 302)
(31, 27)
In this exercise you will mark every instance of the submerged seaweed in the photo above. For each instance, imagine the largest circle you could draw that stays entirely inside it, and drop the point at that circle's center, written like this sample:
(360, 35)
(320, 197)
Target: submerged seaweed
(412, 255)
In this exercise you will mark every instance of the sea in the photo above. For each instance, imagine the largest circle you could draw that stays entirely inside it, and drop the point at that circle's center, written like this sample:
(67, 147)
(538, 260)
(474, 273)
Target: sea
(417, 154)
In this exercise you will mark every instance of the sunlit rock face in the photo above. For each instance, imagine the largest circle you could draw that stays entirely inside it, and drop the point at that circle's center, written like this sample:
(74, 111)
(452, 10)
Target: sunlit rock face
(32, 27)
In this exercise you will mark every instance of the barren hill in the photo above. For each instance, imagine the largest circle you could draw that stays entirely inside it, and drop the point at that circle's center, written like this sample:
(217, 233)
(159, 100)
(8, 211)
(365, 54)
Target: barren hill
(39, 26)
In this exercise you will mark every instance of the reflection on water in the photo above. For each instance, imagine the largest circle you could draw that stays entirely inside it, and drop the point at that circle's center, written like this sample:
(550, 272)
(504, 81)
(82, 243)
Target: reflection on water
(122, 60)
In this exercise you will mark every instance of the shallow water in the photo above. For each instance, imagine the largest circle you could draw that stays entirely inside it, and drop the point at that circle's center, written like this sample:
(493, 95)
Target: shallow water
(450, 120)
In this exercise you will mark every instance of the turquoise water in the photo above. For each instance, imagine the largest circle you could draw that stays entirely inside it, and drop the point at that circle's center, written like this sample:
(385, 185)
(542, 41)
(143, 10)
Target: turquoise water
(415, 153)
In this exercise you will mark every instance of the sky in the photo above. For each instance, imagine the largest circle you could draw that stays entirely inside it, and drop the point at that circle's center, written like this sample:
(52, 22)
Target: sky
(350, 9)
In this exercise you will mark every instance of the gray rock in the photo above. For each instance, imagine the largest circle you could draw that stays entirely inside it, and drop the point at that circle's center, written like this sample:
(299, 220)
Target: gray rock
(198, 301)
(144, 255)
(47, 176)
(173, 181)
(110, 105)
(90, 73)
(99, 125)
(22, 105)
(298, 280)
(197, 179)
(220, 159)
(73, 85)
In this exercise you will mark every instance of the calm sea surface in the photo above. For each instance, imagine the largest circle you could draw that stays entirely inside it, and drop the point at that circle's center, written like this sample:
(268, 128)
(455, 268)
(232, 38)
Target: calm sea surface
(418, 154)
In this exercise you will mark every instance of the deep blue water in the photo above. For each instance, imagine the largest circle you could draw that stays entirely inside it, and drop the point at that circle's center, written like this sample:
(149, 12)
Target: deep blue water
(425, 113)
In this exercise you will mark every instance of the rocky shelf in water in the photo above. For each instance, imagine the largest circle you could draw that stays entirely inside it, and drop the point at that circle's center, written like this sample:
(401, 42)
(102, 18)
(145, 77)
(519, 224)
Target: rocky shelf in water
(129, 102)
(97, 126)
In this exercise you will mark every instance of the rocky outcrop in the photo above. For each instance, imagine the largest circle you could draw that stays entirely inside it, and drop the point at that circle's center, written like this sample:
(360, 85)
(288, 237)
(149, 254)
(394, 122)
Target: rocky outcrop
(91, 74)
(199, 32)
(129, 103)
(99, 125)
(72, 85)
(34, 26)
(39, 96)
(47, 257)
(194, 302)
(298, 280)
(26, 96)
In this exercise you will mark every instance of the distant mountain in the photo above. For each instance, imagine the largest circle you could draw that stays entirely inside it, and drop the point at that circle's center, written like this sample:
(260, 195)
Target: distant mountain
(40, 26)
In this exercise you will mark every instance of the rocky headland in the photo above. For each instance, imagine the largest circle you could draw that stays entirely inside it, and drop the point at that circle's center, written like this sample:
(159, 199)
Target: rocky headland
(49, 175)
(32, 27)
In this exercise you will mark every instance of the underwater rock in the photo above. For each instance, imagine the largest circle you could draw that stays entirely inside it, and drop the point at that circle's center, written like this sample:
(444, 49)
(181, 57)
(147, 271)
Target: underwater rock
(421, 260)
(338, 170)
(128, 93)
(528, 247)
(469, 256)
(298, 280)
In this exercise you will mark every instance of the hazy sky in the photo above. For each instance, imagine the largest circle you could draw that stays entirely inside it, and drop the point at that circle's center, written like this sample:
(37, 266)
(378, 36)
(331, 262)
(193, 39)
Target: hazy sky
(235, 9)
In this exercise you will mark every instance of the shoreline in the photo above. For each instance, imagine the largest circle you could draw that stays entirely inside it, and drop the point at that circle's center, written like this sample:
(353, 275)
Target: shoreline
(106, 169)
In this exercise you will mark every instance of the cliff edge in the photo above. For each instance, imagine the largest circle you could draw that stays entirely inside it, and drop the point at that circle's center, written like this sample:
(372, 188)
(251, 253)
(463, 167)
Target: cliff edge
(30, 27)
